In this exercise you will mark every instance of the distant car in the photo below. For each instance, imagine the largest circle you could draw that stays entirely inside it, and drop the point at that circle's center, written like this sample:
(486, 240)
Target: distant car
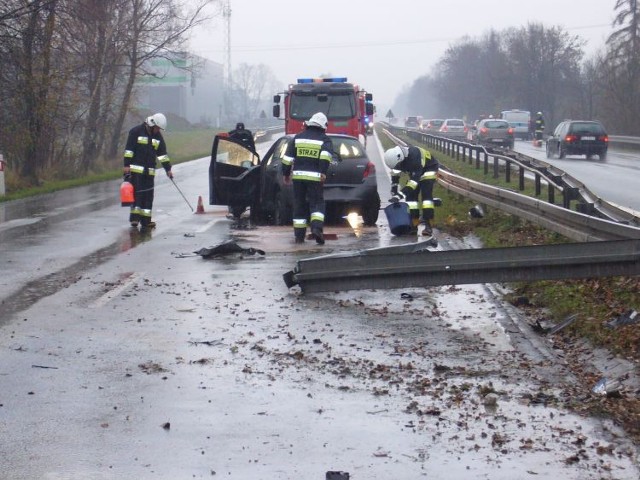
(453, 128)
(431, 125)
(240, 179)
(491, 131)
(578, 137)
(412, 122)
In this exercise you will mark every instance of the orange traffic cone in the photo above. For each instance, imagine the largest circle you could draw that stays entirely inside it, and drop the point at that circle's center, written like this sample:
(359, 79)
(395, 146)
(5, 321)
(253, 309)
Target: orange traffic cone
(200, 207)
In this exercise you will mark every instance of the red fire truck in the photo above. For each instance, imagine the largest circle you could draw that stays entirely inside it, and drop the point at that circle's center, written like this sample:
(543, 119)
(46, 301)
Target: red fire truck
(347, 107)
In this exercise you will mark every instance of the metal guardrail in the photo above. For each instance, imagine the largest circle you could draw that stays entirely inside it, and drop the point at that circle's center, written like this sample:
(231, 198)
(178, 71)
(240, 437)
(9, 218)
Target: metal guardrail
(414, 265)
(616, 251)
(593, 219)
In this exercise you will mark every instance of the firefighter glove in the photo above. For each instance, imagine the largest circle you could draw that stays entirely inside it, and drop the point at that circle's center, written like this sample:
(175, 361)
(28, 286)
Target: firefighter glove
(398, 197)
(394, 189)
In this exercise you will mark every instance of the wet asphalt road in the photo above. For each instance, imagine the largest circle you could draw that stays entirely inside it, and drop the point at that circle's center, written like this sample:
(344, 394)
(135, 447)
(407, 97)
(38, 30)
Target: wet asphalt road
(125, 356)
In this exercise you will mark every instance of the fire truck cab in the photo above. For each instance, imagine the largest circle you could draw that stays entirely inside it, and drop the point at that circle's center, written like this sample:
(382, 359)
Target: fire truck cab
(347, 107)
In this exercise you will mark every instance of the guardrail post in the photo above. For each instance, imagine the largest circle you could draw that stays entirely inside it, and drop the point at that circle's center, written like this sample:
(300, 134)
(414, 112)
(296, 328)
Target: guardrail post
(457, 151)
(507, 173)
(485, 161)
(496, 169)
(2, 166)
(521, 178)
(568, 194)
(538, 184)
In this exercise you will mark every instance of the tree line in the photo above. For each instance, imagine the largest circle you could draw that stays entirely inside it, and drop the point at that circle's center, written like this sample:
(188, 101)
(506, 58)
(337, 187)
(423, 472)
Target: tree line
(68, 76)
(538, 68)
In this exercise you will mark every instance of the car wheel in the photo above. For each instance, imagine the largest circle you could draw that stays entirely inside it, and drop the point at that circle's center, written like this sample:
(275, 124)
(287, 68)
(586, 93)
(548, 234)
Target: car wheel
(603, 156)
(282, 213)
(561, 153)
(237, 211)
(370, 212)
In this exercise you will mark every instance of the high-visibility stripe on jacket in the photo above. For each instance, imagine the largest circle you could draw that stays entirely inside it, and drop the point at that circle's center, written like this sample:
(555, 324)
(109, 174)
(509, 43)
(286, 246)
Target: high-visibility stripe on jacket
(143, 150)
(308, 155)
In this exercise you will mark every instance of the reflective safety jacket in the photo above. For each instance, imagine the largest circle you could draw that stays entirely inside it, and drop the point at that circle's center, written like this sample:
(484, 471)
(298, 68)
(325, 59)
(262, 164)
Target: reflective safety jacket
(540, 124)
(143, 150)
(419, 165)
(308, 156)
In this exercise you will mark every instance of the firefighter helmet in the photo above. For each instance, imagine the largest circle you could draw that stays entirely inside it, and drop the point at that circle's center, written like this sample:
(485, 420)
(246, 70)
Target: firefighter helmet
(393, 157)
(157, 120)
(318, 120)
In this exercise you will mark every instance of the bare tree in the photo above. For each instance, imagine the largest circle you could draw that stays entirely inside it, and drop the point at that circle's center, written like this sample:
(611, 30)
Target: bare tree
(252, 83)
(155, 29)
(620, 69)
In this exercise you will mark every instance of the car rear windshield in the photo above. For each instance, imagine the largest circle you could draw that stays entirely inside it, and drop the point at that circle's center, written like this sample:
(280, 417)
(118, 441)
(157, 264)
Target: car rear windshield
(436, 123)
(455, 123)
(347, 147)
(587, 127)
(496, 124)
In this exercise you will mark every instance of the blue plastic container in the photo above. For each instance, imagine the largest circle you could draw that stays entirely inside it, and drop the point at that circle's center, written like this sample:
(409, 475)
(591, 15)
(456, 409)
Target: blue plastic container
(398, 217)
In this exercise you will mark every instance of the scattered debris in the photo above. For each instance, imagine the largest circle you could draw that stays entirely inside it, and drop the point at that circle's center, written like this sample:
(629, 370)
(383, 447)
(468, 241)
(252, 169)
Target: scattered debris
(604, 386)
(210, 343)
(337, 476)
(43, 366)
(476, 212)
(166, 426)
(226, 248)
(628, 318)
(565, 323)
(406, 296)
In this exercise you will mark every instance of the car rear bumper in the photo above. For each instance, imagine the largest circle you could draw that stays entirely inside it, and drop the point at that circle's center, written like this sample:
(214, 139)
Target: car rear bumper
(585, 149)
(341, 193)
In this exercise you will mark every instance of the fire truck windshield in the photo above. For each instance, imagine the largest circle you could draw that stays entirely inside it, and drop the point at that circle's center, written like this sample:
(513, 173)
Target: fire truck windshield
(335, 105)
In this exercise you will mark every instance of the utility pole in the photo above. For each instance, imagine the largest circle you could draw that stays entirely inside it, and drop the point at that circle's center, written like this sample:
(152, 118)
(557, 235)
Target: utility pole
(226, 13)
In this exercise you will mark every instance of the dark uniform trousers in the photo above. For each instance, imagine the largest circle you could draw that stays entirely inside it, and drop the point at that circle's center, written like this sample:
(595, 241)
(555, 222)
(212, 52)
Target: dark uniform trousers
(308, 198)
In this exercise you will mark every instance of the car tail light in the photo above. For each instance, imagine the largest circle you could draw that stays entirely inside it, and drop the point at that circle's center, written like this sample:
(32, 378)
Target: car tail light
(484, 130)
(466, 129)
(510, 131)
(604, 138)
(571, 138)
(444, 129)
(370, 169)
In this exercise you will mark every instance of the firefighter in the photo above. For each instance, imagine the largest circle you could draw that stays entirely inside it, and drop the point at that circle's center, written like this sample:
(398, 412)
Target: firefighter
(422, 169)
(243, 135)
(539, 128)
(305, 164)
(145, 147)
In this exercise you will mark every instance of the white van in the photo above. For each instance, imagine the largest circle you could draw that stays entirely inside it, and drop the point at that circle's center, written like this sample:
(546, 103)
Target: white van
(520, 121)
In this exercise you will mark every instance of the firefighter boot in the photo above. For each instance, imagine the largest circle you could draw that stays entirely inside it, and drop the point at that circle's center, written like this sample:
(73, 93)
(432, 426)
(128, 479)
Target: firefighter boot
(318, 235)
(428, 231)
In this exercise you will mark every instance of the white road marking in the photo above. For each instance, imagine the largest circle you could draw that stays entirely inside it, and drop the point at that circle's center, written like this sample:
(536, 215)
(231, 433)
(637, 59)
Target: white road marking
(113, 293)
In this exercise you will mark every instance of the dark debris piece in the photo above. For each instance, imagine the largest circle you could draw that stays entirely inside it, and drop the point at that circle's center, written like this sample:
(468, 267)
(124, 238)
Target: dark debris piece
(226, 248)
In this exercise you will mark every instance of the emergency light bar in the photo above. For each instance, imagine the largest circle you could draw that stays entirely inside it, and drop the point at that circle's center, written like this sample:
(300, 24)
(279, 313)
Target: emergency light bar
(323, 80)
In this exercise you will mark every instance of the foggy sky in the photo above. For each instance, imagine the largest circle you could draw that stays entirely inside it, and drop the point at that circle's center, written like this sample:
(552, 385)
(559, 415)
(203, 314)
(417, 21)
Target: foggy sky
(382, 46)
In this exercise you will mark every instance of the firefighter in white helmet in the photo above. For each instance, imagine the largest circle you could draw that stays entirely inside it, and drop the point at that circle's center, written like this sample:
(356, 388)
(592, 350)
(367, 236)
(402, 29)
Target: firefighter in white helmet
(145, 147)
(305, 163)
(422, 169)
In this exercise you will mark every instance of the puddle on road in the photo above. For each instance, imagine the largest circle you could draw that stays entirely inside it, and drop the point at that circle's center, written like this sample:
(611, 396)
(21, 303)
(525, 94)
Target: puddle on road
(49, 284)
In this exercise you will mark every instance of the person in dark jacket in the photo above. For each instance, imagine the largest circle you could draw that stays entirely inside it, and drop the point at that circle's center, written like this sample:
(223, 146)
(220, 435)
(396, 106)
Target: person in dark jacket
(539, 128)
(145, 147)
(422, 169)
(243, 135)
(305, 164)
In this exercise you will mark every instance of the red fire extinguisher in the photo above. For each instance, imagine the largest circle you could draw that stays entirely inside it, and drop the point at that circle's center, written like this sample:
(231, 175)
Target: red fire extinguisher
(126, 194)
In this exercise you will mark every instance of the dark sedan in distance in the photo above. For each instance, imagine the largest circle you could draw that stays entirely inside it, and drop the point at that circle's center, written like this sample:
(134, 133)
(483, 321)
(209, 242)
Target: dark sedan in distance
(240, 179)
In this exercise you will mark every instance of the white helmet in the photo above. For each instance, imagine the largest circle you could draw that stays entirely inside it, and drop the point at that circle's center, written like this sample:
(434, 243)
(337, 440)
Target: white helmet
(318, 120)
(157, 120)
(393, 157)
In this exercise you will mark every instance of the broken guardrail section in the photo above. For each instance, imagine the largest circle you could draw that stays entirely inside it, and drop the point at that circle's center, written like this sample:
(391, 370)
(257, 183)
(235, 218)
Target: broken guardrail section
(416, 265)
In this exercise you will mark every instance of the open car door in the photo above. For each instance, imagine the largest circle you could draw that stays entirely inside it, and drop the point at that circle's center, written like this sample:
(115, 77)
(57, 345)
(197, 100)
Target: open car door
(234, 174)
